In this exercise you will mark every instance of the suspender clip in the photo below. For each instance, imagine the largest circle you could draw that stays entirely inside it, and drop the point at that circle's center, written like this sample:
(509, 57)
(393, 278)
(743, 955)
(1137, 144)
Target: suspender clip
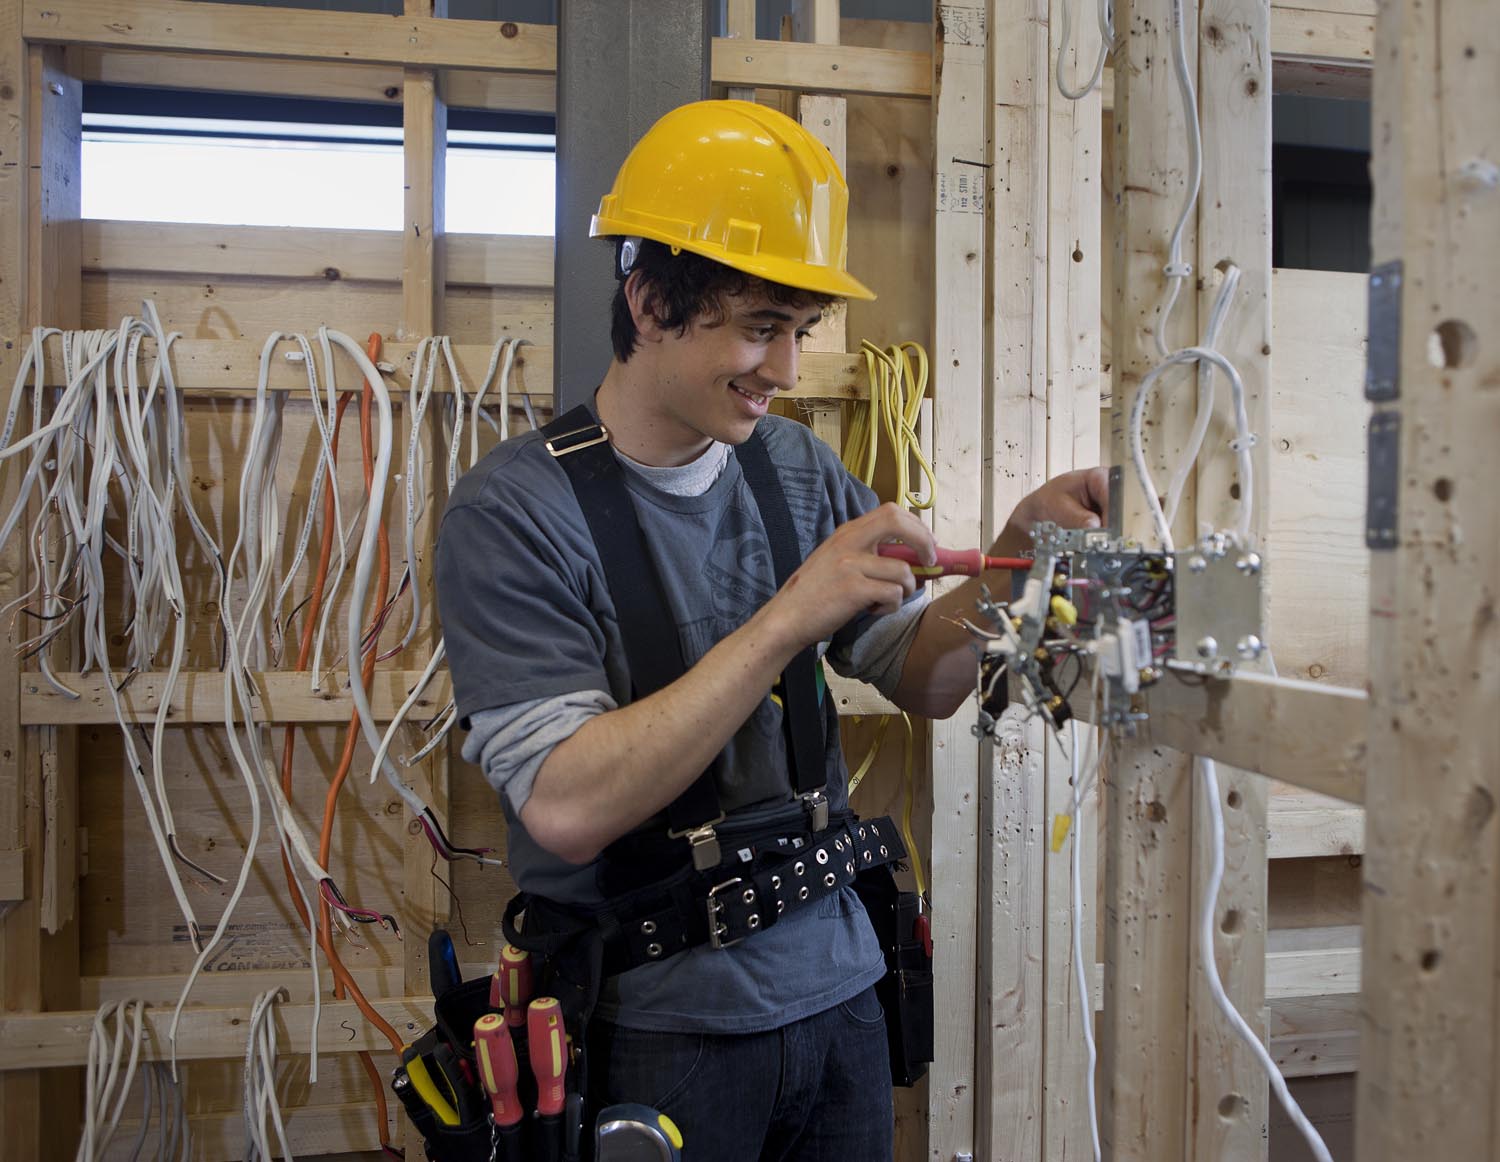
(705, 844)
(815, 803)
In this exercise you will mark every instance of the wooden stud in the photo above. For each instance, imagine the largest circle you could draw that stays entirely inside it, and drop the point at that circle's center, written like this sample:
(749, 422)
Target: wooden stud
(1428, 1070)
(1073, 362)
(960, 88)
(1012, 916)
(1148, 865)
(424, 149)
(1228, 1096)
(827, 119)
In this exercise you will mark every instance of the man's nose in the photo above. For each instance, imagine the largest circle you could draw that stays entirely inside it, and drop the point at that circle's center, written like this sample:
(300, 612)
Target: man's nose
(779, 368)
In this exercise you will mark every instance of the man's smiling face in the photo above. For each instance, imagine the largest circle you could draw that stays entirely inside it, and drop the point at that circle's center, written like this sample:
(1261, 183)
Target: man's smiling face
(716, 379)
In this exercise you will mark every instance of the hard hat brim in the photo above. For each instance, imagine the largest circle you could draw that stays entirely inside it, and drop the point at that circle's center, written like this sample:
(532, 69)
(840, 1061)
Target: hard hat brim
(824, 280)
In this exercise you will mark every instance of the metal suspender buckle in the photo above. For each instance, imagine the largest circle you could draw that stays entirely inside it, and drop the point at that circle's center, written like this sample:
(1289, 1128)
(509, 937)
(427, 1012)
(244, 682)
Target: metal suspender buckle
(716, 930)
(705, 845)
(577, 440)
(815, 803)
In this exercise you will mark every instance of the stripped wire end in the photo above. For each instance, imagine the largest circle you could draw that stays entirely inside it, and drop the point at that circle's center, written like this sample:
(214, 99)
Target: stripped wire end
(335, 900)
(444, 846)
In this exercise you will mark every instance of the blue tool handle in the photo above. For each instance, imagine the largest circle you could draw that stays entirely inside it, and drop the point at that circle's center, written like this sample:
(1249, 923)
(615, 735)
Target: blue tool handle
(442, 962)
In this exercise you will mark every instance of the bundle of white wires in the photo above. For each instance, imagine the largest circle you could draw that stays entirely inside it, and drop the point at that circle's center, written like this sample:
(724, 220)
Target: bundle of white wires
(107, 1083)
(262, 1107)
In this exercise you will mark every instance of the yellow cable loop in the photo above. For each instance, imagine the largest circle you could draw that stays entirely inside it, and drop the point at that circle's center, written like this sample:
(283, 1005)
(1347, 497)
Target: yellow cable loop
(898, 384)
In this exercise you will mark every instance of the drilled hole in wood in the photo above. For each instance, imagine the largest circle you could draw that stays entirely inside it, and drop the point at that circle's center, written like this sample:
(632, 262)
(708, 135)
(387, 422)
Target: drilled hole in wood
(1231, 923)
(1231, 1106)
(1233, 799)
(1452, 344)
(1442, 488)
(1431, 959)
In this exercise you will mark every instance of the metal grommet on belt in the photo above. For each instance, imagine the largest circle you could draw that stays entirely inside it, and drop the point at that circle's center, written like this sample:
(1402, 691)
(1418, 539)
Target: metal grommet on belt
(648, 927)
(822, 856)
(829, 880)
(653, 950)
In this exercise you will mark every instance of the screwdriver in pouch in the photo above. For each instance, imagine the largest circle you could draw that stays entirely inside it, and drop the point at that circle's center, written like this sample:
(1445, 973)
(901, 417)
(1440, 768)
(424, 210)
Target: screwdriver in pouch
(497, 1074)
(515, 983)
(548, 1050)
(952, 562)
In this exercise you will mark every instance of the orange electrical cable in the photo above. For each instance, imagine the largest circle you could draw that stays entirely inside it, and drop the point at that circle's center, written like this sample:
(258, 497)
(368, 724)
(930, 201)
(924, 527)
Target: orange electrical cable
(344, 982)
(309, 628)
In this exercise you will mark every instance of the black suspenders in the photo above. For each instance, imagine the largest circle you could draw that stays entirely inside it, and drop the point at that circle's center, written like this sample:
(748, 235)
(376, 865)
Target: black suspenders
(652, 648)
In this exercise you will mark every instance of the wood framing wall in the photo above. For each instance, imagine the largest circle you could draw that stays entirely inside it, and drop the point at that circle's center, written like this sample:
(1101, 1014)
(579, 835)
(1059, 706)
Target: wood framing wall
(976, 215)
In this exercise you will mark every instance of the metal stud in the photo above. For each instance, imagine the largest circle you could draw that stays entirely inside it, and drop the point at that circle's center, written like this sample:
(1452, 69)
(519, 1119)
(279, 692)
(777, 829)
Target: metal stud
(653, 950)
(648, 927)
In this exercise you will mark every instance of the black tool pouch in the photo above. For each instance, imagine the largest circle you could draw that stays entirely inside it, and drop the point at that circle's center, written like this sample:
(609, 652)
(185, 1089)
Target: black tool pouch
(469, 1143)
(905, 991)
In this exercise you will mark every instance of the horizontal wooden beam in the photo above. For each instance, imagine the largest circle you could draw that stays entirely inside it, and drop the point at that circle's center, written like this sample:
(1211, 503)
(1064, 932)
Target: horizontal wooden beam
(1303, 733)
(231, 366)
(1315, 50)
(509, 260)
(210, 1032)
(285, 696)
(486, 46)
(1303, 826)
(217, 1030)
(238, 30)
(343, 1129)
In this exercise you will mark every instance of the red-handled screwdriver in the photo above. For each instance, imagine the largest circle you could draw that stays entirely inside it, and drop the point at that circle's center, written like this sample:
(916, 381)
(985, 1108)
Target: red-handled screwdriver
(548, 1049)
(952, 562)
(515, 983)
(497, 1074)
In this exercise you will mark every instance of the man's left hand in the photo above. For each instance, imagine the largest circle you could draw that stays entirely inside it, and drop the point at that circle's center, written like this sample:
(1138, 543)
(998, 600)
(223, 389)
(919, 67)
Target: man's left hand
(1074, 500)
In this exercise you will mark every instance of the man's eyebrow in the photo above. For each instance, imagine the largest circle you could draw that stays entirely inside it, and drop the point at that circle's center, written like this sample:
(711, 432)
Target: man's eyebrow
(782, 316)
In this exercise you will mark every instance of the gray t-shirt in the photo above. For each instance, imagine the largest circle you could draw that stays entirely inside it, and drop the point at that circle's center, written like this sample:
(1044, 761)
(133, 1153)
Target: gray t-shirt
(527, 618)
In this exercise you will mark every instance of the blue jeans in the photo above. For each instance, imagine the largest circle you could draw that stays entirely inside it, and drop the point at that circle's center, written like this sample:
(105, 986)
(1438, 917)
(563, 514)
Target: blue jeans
(818, 1090)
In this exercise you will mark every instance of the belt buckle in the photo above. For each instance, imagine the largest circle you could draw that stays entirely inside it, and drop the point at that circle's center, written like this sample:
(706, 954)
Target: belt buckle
(716, 931)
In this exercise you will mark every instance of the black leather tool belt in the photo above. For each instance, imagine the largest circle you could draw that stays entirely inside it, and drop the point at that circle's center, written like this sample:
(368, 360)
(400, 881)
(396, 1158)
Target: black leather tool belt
(756, 885)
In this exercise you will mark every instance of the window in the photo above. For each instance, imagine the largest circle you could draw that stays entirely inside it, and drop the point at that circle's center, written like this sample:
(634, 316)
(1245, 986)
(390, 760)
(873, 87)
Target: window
(164, 156)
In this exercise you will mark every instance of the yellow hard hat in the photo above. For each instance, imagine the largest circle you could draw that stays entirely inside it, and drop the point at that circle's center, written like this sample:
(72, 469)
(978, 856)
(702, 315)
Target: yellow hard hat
(744, 185)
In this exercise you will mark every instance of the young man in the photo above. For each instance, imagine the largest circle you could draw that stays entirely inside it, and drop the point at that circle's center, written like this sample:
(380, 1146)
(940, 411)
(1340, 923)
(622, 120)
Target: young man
(729, 222)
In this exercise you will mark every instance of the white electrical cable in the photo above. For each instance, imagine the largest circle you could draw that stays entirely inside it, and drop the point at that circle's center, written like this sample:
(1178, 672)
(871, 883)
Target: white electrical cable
(1106, 18)
(1206, 924)
(1080, 967)
(1180, 476)
(1176, 270)
(106, 1087)
(261, 1103)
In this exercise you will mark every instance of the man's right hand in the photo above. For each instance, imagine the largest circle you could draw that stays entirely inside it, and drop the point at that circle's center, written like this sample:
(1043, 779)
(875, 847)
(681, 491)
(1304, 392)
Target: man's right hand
(844, 576)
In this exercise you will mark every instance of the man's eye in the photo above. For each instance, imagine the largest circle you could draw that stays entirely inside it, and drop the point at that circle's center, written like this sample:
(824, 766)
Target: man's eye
(765, 334)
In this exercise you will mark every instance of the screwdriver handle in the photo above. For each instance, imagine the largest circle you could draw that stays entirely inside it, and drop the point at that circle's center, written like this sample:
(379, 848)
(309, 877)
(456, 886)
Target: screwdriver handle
(498, 1071)
(515, 979)
(549, 1054)
(951, 562)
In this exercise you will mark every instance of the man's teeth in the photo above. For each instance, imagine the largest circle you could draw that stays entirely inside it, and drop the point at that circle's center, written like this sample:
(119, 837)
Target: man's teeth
(748, 394)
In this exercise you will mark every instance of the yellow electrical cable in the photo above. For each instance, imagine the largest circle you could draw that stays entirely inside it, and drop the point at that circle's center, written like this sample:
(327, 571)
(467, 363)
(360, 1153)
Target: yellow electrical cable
(869, 760)
(911, 794)
(898, 384)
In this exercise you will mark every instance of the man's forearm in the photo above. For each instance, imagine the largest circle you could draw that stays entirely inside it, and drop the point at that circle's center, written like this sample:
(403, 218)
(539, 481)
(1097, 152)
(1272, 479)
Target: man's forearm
(622, 767)
(939, 671)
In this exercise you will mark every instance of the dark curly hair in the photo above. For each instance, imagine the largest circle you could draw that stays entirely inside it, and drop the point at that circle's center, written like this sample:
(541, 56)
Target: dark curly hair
(685, 288)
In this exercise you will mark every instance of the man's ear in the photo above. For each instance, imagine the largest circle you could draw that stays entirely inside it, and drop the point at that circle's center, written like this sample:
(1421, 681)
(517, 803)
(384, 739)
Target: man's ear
(642, 302)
